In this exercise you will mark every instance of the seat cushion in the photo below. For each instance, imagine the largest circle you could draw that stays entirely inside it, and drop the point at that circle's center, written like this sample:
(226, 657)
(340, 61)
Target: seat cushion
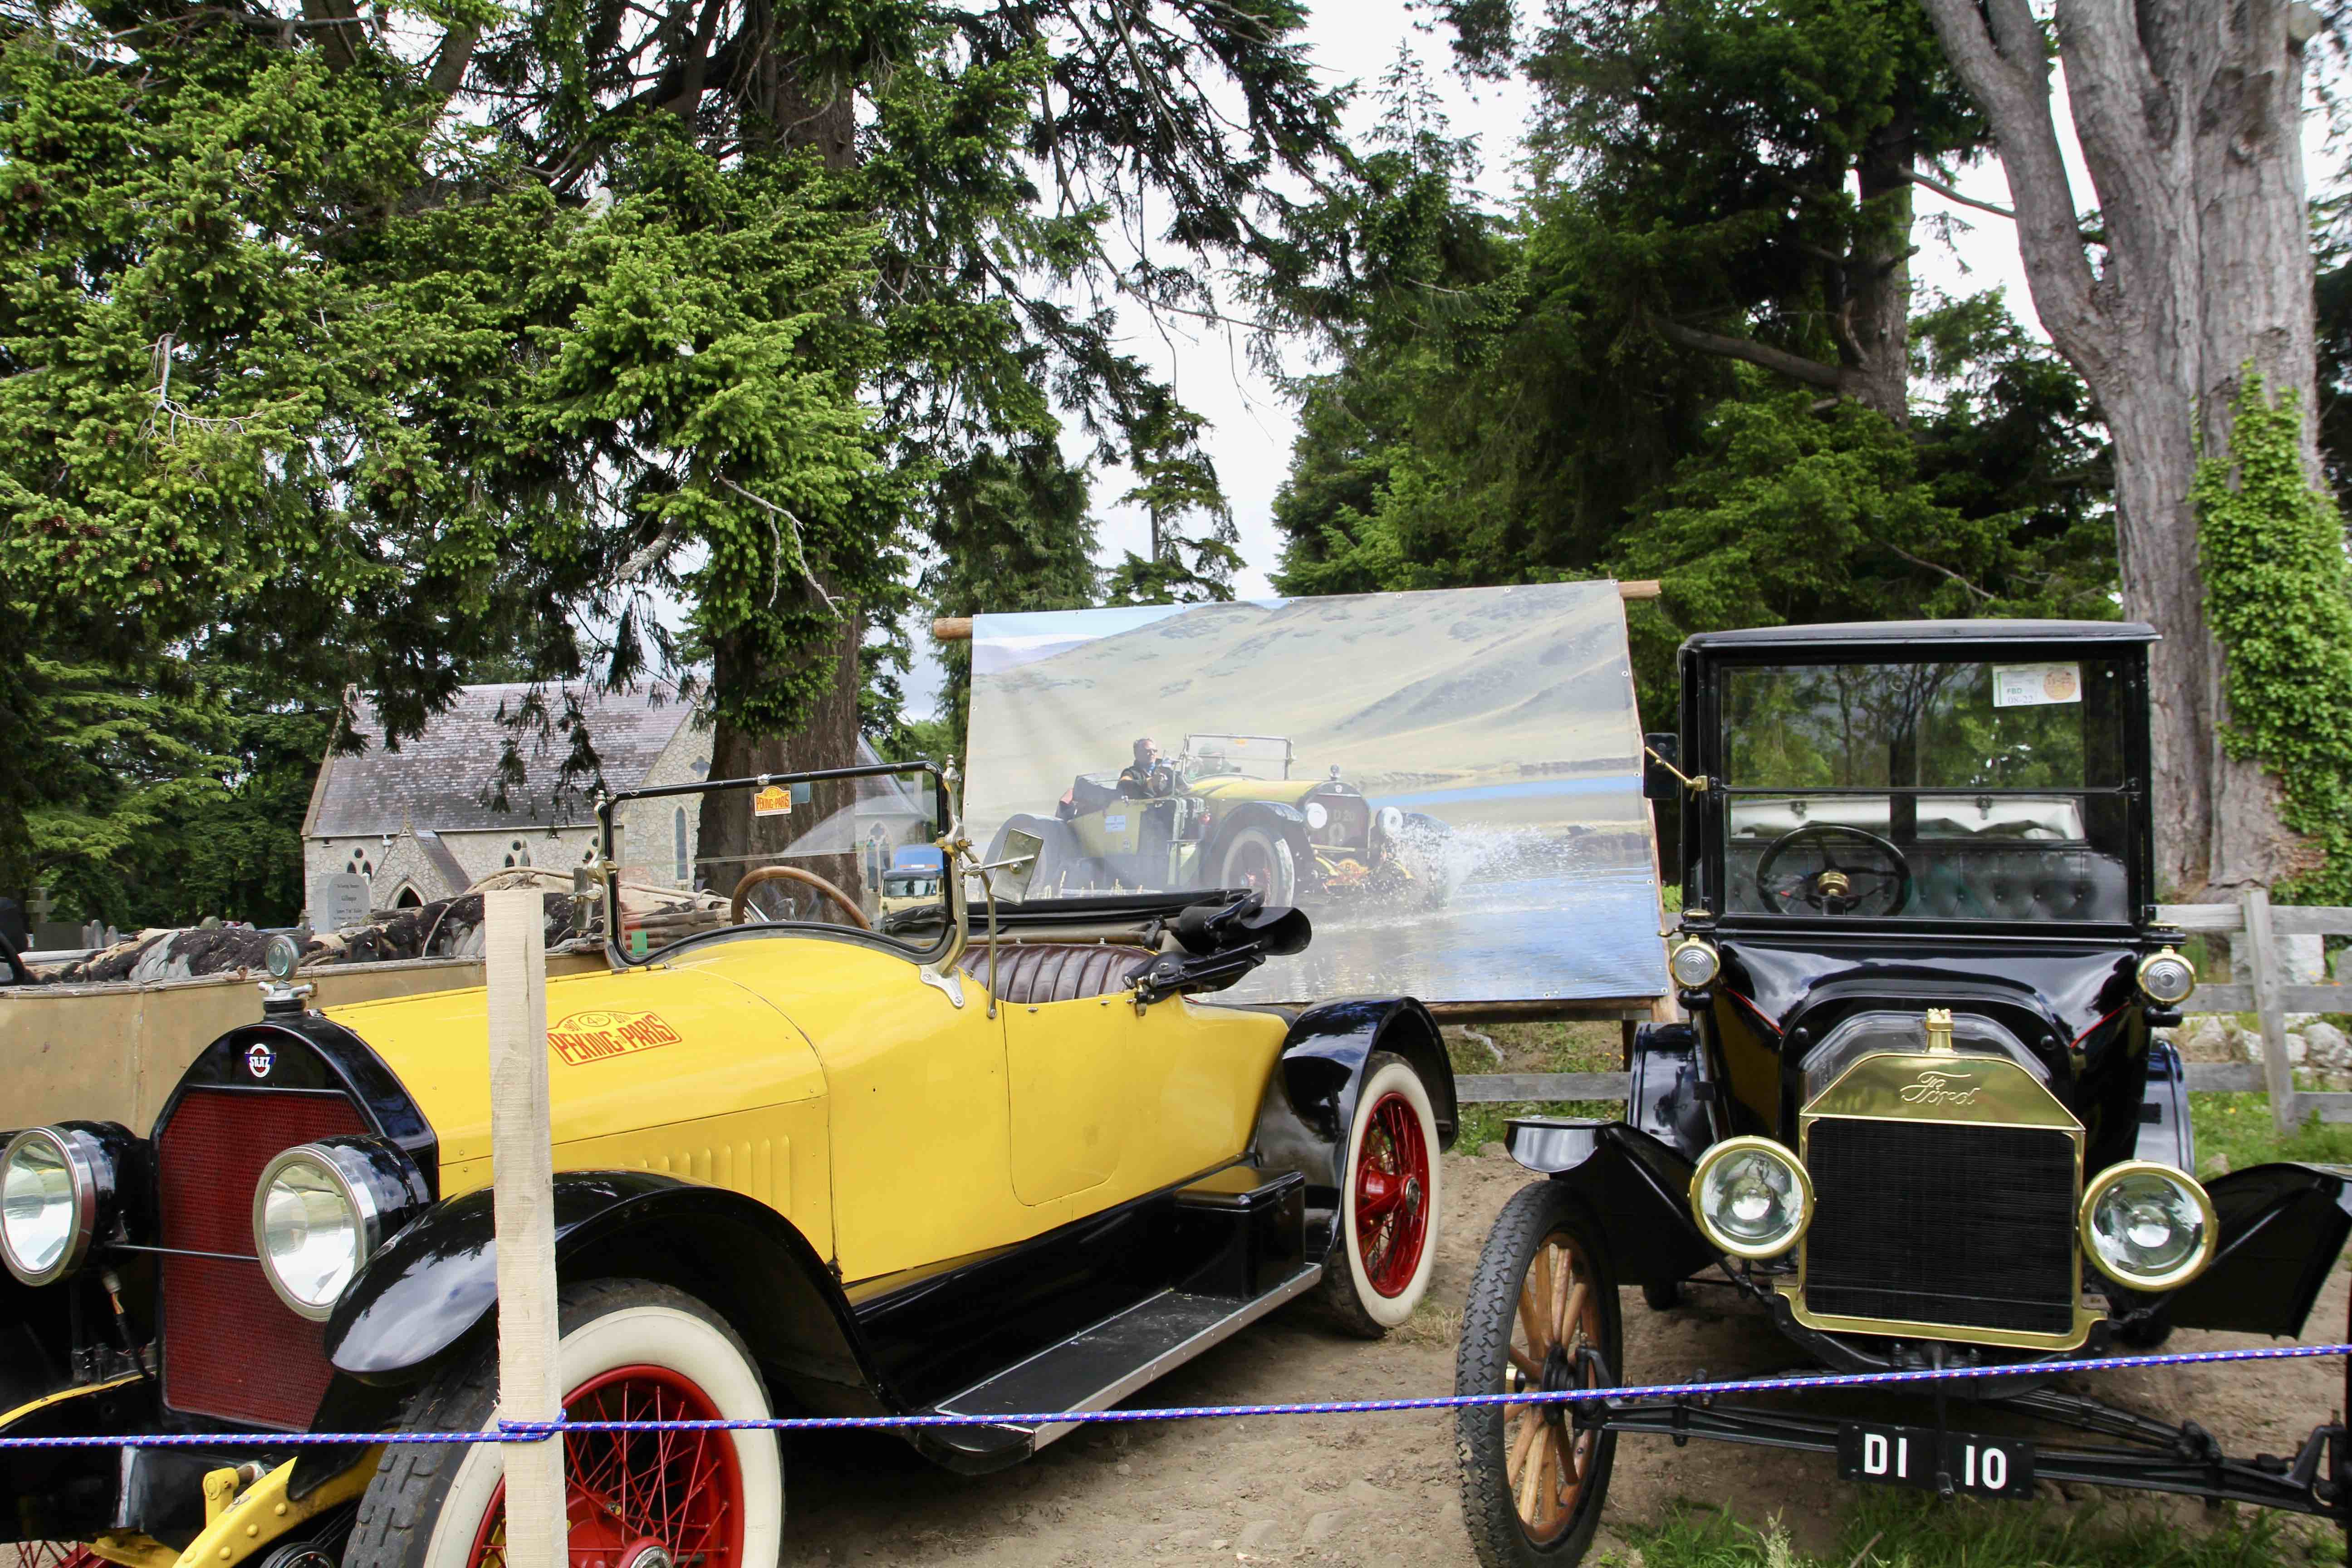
(1029, 975)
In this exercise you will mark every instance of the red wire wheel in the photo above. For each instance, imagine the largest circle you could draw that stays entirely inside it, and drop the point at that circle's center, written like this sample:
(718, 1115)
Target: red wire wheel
(639, 1499)
(1392, 1196)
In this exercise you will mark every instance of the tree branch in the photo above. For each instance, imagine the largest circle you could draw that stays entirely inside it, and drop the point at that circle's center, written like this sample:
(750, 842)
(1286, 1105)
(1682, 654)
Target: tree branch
(450, 60)
(1948, 193)
(1797, 367)
(1944, 570)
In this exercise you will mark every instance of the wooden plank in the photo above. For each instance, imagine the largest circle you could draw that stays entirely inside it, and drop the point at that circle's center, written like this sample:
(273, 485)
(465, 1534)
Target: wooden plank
(2311, 920)
(1514, 1088)
(958, 628)
(522, 1207)
(2224, 1077)
(2195, 918)
(2262, 958)
(2232, 998)
(2331, 1107)
(2316, 998)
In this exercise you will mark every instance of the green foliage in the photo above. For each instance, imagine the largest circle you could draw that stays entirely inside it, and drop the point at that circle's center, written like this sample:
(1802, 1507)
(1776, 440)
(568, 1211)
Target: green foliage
(2271, 546)
(1887, 1529)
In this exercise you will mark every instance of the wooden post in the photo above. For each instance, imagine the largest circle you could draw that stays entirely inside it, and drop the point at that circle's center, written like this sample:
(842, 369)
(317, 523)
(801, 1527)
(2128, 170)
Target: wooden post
(2262, 958)
(522, 1194)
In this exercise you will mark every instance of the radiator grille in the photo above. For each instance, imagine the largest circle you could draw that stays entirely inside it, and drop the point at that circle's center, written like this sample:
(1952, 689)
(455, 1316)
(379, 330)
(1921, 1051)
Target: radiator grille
(231, 1347)
(1942, 1223)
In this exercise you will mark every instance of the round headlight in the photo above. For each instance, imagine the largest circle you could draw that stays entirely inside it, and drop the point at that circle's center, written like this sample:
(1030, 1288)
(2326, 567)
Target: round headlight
(1751, 1198)
(1391, 821)
(2167, 978)
(1694, 964)
(1319, 815)
(321, 1209)
(49, 1182)
(2147, 1226)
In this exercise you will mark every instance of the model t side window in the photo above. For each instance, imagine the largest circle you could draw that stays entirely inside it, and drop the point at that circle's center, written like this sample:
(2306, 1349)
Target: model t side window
(1943, 790)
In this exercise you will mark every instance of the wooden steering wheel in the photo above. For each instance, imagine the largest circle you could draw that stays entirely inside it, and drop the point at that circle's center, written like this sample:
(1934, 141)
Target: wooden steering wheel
(758, 874)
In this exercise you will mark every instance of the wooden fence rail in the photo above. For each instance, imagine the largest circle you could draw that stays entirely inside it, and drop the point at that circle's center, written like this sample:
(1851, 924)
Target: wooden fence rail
(2263, 992)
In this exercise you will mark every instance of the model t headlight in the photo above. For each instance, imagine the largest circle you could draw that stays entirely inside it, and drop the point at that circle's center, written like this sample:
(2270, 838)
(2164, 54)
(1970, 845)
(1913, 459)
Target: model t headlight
(57, 1187)
(2147, 1227)
(1392, 822)
(2167, 978)
(1694, 964)
(1318, 816)
(321, 1209)
(1751, 1198)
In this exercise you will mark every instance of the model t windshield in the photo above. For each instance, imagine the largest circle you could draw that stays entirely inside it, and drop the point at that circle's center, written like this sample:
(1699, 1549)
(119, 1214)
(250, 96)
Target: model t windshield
(1933, 790)
(825, 848)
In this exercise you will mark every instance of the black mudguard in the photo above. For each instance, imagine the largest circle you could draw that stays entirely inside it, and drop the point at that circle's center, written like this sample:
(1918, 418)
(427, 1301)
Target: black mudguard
(1270, 814)
(1311, 1098)
(2282, 1228)
(1636, 1187)
(433, 1289)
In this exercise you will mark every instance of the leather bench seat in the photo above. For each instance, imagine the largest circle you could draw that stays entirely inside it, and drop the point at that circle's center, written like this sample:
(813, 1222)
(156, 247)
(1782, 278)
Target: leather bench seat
(1030, 974)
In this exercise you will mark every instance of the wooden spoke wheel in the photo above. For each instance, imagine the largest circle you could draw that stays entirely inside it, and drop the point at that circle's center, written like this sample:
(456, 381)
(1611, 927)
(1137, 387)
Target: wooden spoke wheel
(1543, 1316)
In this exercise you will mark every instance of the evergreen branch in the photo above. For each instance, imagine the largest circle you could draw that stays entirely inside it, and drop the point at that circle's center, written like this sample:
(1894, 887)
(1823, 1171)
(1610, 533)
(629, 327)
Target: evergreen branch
(1944, 570)
(1949, 193)
(800, 547)
(1797, 367)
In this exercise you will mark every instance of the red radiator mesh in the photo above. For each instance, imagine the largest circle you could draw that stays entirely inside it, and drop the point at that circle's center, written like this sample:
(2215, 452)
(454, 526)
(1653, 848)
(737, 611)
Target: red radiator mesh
(231, 1347)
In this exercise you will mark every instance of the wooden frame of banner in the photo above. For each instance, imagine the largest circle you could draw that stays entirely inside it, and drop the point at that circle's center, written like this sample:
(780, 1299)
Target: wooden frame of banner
(1628, 1009)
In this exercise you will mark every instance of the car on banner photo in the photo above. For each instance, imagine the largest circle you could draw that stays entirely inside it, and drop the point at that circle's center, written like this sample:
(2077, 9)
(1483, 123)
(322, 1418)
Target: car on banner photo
(1919, 1116)
(1225, 812)
(970, 1166)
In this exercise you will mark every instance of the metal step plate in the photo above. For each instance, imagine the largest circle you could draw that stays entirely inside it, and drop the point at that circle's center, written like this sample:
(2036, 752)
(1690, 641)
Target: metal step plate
(1098, 1366)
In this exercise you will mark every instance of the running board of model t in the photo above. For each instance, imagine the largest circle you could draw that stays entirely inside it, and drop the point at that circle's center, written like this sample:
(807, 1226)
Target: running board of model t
(1096, 1368)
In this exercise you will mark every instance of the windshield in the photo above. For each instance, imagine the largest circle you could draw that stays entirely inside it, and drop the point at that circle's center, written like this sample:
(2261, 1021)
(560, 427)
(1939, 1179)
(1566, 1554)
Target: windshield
(1250, 756)
(805, 849)
(1933, 791)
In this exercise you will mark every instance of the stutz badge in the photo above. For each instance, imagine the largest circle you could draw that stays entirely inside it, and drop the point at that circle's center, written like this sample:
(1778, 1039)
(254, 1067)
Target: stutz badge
(773, 801)
(1934, 1088)
(259, 1059)
(606, 1032)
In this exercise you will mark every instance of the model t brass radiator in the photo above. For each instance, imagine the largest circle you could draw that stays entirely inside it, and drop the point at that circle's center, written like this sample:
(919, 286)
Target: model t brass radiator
(1944, 1193)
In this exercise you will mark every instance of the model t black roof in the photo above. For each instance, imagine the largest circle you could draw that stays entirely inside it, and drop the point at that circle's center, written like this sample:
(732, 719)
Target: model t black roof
(1838, 633)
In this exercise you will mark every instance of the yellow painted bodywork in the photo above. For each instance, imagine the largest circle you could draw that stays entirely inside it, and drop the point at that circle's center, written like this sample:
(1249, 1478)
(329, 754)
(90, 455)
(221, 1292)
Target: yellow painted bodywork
(824, 1078)
(251, 1522)
(1239, 786)
(48, 1401)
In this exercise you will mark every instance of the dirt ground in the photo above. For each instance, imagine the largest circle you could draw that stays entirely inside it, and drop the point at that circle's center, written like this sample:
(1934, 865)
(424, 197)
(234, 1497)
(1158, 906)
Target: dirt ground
(1380, 1490)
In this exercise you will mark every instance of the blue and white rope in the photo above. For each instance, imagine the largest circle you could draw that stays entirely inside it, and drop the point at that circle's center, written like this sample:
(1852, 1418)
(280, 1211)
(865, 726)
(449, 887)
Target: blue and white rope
(540, 1431)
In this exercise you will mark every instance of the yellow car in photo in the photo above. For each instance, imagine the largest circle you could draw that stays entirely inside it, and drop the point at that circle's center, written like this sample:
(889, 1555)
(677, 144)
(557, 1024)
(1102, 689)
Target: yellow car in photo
(963, 1163)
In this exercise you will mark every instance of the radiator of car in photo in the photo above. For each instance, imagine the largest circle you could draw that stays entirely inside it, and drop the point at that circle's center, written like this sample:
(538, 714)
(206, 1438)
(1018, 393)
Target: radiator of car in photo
(1946, 1188)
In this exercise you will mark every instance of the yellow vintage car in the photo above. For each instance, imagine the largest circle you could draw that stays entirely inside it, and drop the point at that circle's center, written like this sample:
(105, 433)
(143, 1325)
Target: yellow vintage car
(989, 1165)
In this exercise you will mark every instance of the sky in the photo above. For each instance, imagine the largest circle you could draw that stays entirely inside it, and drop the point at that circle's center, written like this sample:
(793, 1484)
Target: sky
(1251, 427)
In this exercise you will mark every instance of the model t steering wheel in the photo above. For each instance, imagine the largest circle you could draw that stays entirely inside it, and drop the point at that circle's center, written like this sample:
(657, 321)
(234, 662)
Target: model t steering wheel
(1835, 888)
(760, 874)
(1162, 781)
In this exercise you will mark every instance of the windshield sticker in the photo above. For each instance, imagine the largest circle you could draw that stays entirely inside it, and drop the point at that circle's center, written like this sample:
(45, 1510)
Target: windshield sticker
(2035, 684)
(594, 1036)
(773, 801)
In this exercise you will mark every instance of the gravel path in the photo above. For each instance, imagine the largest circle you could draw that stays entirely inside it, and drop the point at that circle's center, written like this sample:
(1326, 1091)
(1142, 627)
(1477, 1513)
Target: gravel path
(1379, 1490)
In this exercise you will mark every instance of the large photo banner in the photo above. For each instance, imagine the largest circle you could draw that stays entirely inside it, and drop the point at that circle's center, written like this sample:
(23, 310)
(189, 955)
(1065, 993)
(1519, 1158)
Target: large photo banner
(1448, 782)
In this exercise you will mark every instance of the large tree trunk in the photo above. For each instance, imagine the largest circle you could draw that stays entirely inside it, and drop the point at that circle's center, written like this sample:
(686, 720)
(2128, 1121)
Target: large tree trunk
(2188, 115)
(1876, 332)
(730, 838)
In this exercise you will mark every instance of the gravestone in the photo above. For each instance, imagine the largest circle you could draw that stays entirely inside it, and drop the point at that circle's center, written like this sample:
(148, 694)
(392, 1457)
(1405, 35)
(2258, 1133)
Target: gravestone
(349, 901)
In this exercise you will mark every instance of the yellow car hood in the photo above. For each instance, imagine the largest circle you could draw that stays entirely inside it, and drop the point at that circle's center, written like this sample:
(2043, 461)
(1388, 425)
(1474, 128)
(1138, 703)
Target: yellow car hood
(640, 1048)
(1234, 787)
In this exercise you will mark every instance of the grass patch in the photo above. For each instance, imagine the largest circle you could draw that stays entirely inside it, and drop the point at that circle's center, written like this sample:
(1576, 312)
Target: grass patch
(2239, 1126)
(1897, 1529)
(1483, 1124)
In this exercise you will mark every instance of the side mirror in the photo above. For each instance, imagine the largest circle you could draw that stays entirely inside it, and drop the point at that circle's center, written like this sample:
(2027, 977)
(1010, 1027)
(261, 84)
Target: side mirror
(1661, 754)
(1010, 876)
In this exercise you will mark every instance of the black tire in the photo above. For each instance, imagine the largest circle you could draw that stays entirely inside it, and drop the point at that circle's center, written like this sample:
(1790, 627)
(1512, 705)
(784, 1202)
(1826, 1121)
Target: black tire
(1547, 1218)
(1259, 857)
(606, 1324)
(1663, 1298)
(1366, 1291)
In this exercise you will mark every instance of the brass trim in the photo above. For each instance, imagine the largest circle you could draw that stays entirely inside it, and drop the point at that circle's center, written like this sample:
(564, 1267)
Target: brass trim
(1725, 1150)
(1939, 1032)
(1713, 956)
(2139, 977)
(2118, 1172)
(1973, 1091)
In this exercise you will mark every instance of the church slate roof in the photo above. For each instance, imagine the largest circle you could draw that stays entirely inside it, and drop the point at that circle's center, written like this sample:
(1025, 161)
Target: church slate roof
(441, 780)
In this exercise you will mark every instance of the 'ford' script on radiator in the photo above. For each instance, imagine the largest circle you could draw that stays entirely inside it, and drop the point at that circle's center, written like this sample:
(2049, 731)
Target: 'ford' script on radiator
(1940, 1088)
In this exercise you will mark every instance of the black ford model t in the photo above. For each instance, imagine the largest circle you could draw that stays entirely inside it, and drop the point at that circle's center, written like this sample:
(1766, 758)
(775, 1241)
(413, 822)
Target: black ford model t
(1917, 1113)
